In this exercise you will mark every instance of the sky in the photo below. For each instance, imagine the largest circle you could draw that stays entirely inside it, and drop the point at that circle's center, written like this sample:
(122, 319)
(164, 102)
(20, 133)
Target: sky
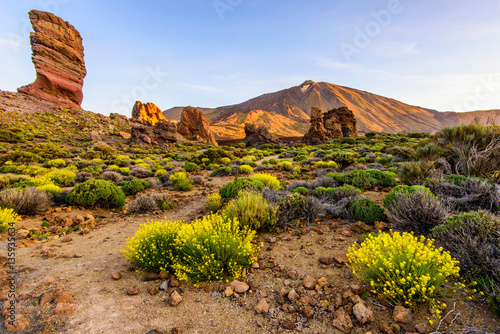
(439, 54)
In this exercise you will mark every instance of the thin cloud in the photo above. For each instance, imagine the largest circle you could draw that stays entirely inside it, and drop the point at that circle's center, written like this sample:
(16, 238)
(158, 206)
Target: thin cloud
(13, 43)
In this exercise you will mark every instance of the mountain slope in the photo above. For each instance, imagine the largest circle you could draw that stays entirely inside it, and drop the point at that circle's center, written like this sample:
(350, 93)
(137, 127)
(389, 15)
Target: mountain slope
(374, 113)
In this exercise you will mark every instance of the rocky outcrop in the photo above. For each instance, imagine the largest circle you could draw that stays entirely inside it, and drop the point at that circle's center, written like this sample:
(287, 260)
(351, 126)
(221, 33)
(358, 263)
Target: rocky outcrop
(58, 58)
(162, 134)
(194, 126)
(256, 135)
(337, 123)
(147, 113)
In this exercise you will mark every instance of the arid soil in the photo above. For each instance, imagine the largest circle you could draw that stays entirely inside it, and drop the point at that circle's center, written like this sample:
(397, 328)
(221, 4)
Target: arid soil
(66, 283)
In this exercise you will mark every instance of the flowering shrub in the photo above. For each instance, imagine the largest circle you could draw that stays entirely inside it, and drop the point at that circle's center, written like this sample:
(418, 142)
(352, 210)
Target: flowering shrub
(61, 178)
(191, 167)
(214, 202)
(269, 180)
(211, 248)
(7, 216)
(56, 163)
(252, 211)
(245, 169)
(177, 177)
(402, 268)
(50, 189)
(284, 165)
(325, 164)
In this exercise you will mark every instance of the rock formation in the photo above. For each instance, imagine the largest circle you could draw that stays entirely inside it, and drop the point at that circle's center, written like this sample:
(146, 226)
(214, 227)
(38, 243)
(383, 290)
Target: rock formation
(256, 135)
(194, 126)
(58, 59)
(336, 123)
(162, 134)
(147, 113)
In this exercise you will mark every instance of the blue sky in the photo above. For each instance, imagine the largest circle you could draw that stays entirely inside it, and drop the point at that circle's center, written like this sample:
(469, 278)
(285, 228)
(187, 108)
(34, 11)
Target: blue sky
(441, 54)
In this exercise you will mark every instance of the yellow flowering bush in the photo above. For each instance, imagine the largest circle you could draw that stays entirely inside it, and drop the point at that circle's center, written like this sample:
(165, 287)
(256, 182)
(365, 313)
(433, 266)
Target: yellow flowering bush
(50, 188)
(152, 247)
(402, 268)
(269, 180)
(214, 202)
(245, 169)
(7, 216)
(252, 210)
(213, 248)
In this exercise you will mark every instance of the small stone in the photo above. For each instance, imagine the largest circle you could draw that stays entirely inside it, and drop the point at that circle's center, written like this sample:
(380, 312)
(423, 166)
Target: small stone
(323, 282)
(262, 306)
(174, 282)
(360, 227)
(47, 298)
(363, 314)
(64, 297)
(325, 260)
(293, 295)
(308, 312)
(174, 299)
(150, 277)
(239, 287)
(255, 265)
(116, 275)
(422, 328)
(164, 274)
(347, 274)
(384, 328)
(402, 315)
(228, 292)
(341, 259)
(342, 321)
(134, 290)
(19, 323)
(380, 226)
(47, 279)
(287, 324)
(309, 282)
(164, 286)
(65, 310)
(67, 239)
(271, 240)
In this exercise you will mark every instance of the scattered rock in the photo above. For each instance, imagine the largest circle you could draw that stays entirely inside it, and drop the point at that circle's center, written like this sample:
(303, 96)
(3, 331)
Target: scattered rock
(402, 315)
(293, 295)
(64, 297)
(341, 259)
(65, 310)
(386, 329)
(336, 123)
(360, 227)
(309, 282)
(347, 274)
(164, 274)
(228, 292)
(257, 135)
(262, 306)
(363, 314)
(194, 125)
(174, 282)
(287, 324)
(153, 290)
(20, 323)
(174, 299)
(116, 275)
(380, 226)
(164, 286)
(67, 239)
(342, 320)
(239, 287)
(150, 277)
(134, 290)
(423, 328)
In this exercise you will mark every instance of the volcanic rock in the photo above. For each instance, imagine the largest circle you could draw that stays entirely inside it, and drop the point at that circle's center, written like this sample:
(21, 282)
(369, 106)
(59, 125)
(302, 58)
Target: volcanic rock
(58, 59)
(257, 135)
(194, 126)
(162, 134)
(147, 113)
(337, 123)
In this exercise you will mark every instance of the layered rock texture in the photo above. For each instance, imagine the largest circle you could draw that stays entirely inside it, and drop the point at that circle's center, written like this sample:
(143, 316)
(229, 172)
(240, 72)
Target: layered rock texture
(337, 123)
(194, 125)
(147, 113)
(256, 135)
(162, 134)
(58, 59)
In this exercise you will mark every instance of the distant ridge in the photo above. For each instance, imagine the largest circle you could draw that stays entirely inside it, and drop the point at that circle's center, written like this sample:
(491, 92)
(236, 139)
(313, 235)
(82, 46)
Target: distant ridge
(286, 113)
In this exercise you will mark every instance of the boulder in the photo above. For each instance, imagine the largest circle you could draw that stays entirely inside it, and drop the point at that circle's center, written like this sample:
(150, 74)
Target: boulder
(58, 58)
(257, 135)
(194, 126)
(162, 134)
(147, 113)
(335, 124)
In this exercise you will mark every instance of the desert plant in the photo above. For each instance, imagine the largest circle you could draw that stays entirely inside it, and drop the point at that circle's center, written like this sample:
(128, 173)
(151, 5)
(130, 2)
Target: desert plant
(295, 208)
(366, 210)
(325, 164)
(50, 189)
(29, 201)
(221, 171)
(232, 189)
(401, 268)
(97, 193)
(10, 179)
(473, 238)
(284, 165)
(191, 167)
(214, 202)
(61, 177)
(150, 203)
(56, 163)
(415, 173)
(245, 169)
(269, 180)
(82, 177)
(8, 219)
(134, 186)
(252, 211)
(417, 211)
(383, 178)
(111, 176)
(344, 158)
(139, 172)
(303, 190)
(392, 196)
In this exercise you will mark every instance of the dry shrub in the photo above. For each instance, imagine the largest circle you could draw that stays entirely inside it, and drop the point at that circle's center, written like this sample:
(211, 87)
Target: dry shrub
(29, 201)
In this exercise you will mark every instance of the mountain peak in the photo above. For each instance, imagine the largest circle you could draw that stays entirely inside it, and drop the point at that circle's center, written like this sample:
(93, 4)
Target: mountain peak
(307, 82)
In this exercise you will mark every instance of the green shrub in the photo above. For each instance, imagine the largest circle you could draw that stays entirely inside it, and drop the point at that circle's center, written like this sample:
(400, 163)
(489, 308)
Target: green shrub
(124, 170)
(245, 169)
(339, 177)
(360, 179)
(56, 163)
(414, 173)
(273, 161)
(392, 196)
(184, 185)
(344, 158)
(269, 180)
(252, 211)
(11, 136)
(8, 219)
(20, 157)
(50, 189)
(177, 177)
(97, 193)
(49, 150)
(10, 179)
(222, 171)
(61, 178)
(214, 202)
(29, 201)
(134, 186)
(366, 210)
(191, 167)
(325, 164)
(403, 269)
(303, 190)
(473, 239)
(160, 172)
(232, 189)
(383, 178)
(284, 165)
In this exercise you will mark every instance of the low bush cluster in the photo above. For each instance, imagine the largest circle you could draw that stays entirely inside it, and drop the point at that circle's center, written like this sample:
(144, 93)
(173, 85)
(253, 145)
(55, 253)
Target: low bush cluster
(97, 193)
(8, 218)
(252, 211)
(231, 189)
(29, 201)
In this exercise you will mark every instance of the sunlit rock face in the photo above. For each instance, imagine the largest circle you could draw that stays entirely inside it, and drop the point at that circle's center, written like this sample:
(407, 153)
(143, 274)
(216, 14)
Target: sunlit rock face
(147, 113)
